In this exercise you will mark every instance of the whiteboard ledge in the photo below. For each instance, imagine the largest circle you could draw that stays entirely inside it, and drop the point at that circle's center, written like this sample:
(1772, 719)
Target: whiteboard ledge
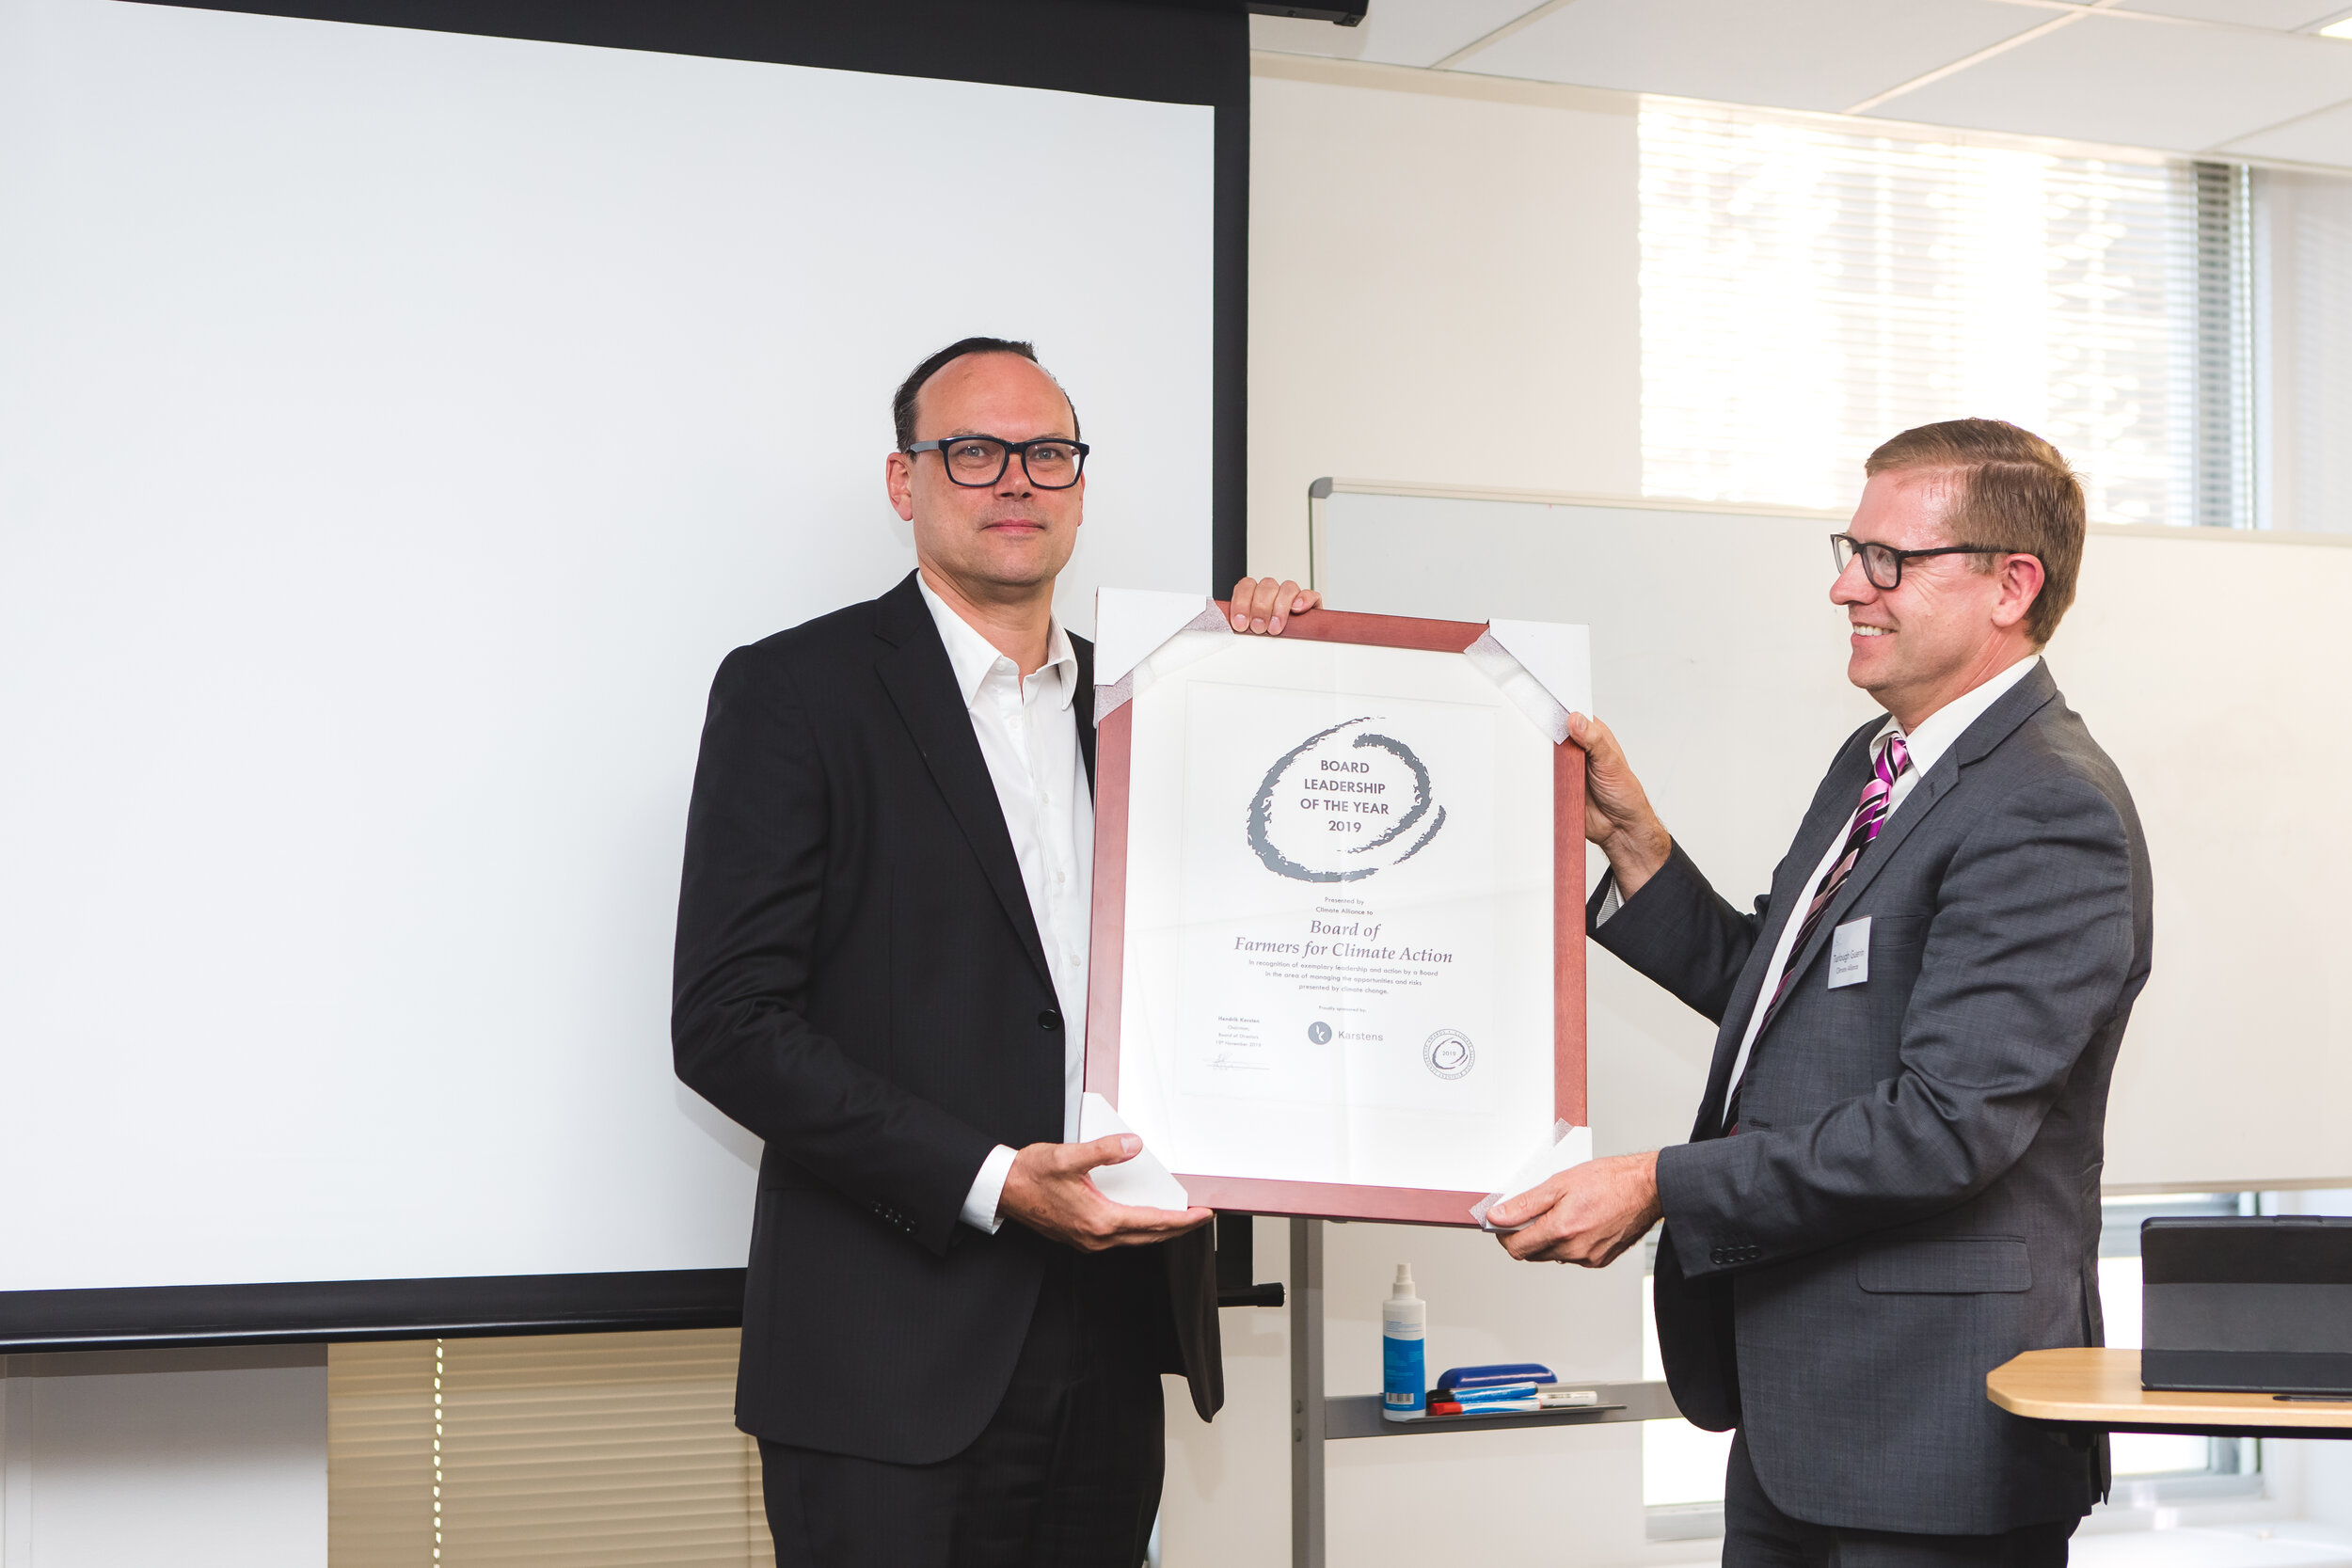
(1323, 488)
(2232, 1185)
(1326, 487)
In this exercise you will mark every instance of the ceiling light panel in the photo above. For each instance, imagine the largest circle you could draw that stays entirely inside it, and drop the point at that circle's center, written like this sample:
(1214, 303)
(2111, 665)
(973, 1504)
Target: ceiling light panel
(1788, 54)
(2325, 137)
(2287, 16)
(2141, 83)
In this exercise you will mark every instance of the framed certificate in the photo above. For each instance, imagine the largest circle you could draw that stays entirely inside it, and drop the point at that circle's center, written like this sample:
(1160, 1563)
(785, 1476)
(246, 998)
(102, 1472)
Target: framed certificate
(1338, 956)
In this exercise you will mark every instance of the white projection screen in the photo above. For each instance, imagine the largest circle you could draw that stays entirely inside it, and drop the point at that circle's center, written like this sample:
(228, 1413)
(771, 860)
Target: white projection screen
(396, 428)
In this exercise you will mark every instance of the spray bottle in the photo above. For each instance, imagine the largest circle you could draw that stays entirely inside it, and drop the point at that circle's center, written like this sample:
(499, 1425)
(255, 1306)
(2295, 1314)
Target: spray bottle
(1403, 1364)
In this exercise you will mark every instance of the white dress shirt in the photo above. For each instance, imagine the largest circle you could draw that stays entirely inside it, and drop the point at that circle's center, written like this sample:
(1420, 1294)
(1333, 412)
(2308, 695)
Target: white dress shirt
(1029, 739)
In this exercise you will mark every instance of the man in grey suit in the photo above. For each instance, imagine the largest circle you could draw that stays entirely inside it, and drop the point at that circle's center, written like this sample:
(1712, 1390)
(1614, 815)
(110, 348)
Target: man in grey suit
(1893, 1183)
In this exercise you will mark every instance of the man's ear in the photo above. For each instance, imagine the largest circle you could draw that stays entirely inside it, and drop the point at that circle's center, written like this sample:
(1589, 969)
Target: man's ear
(2022, 577)
(899, 479)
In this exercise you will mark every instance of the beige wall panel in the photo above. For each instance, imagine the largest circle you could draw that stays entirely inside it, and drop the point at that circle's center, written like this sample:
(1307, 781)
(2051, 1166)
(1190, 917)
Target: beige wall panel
(1444, 288)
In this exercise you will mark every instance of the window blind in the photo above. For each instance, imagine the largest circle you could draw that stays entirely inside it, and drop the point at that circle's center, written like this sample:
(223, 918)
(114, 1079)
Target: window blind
(1810, 287)
(593, 1450)
(2305, 239)
(379, 1455)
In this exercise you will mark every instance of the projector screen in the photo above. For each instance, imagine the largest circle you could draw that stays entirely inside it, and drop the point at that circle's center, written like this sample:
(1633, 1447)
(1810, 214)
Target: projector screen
(401, 425)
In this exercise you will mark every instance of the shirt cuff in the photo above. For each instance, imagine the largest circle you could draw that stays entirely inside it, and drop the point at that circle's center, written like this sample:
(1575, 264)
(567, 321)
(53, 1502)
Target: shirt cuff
(988, 1192)
(1610, 899)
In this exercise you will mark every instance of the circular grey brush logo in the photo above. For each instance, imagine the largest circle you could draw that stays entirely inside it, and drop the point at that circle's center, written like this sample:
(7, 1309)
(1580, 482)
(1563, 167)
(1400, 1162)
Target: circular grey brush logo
(1341, 804)
(1448, 1053)
(1319, 1032)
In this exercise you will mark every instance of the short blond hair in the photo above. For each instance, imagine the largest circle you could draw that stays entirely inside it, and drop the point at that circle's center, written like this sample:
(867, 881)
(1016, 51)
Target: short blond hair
(2015, 492)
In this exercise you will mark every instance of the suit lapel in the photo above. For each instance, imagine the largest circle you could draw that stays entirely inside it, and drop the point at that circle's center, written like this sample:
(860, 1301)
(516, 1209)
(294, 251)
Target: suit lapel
(1084, 705)
(922, 685)
(1994, 725)
(1832, 809)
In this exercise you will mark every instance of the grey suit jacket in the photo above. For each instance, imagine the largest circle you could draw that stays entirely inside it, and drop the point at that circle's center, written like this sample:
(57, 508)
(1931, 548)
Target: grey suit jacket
(1912, 1196)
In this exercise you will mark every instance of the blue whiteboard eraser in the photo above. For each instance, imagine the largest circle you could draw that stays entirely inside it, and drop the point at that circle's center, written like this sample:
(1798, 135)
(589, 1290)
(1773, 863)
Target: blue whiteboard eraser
(1493, 1373)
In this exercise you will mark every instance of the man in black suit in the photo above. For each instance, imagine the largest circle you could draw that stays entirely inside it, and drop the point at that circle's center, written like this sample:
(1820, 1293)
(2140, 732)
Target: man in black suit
(1893, 1184)
(880, 970)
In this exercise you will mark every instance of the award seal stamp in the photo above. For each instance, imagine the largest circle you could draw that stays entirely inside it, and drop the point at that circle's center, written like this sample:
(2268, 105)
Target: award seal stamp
(1448, 1053)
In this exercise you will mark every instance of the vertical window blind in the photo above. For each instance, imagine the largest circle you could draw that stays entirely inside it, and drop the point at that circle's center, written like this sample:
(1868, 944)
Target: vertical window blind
(1810, 287)
(591, 1450)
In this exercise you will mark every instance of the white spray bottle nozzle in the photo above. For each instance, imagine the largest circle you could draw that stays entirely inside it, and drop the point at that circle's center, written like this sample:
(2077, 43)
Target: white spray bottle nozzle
(1404, 1282)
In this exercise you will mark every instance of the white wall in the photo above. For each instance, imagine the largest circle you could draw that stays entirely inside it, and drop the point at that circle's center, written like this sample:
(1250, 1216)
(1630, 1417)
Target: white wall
(192, 1458)
(1444, 288)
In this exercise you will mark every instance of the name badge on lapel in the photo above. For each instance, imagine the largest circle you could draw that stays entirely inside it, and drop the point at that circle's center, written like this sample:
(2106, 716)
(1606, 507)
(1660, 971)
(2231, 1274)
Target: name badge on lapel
(1849, 954)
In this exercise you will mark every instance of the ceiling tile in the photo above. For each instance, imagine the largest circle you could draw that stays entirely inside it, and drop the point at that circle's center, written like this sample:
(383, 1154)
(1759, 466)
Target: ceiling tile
(1394, 32)
(1791, 53)
(2287, 16)
(2142, 83)
(2325, 137)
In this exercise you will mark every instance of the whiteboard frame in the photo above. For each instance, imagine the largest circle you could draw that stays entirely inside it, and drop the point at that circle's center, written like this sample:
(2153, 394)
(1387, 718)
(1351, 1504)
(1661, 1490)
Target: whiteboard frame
(1321, 490)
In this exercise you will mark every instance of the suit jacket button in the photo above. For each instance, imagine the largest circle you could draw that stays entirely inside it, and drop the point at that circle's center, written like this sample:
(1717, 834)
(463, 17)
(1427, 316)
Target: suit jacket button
(1715, 1254)
(1049, 1018)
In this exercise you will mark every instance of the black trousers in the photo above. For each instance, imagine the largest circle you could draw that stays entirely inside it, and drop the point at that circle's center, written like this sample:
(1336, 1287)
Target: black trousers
(1757, 1534)
(1067, 1473)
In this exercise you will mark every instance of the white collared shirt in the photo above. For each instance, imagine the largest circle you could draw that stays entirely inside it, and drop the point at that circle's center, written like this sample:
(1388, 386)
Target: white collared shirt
(1927, 746)
(1029, 739)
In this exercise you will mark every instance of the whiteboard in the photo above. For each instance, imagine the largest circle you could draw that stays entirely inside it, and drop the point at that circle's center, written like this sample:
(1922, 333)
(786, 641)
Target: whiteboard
(2214, 667)
(401, 426)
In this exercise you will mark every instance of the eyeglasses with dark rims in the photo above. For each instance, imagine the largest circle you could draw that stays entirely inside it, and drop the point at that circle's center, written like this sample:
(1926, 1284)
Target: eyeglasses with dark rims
(977, 462)
(1884, 564)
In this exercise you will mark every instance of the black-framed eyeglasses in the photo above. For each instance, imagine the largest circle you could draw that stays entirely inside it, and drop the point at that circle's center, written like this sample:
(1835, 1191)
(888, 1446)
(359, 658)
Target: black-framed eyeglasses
(980, 461)
(1884, 564)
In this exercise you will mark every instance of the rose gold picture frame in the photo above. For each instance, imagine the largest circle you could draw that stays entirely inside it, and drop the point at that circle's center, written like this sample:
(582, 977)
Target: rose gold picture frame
(1106, 987)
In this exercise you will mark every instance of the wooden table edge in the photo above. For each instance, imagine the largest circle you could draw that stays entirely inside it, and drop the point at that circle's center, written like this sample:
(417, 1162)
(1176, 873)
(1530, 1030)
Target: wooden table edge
(2186, 1410)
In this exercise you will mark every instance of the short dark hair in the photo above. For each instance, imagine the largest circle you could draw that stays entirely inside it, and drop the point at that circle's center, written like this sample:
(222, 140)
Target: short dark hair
(902, 402)
(2013, 492)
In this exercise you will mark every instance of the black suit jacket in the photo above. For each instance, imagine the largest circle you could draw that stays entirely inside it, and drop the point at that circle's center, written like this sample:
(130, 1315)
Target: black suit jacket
(1913, 1194)
(860, 982)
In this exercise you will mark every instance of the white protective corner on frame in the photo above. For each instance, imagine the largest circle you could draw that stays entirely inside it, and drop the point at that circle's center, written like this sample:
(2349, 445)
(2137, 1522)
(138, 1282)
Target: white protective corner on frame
(1143, 1181)
(1546, 668)
(1569, 1146)
(1133, 624)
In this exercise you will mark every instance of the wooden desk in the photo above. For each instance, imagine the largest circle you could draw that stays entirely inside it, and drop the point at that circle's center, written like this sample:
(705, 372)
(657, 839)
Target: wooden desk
(2099, 1388)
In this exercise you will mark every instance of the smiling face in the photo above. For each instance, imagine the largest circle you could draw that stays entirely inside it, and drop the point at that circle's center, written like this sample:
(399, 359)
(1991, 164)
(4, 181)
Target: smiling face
(1003, 541)
(1947, 626)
